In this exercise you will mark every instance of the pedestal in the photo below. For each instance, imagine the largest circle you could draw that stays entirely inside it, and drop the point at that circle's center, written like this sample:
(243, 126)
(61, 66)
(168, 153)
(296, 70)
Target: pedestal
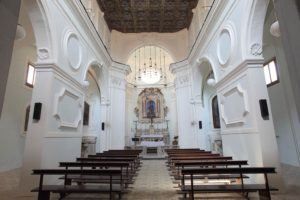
(88, 145)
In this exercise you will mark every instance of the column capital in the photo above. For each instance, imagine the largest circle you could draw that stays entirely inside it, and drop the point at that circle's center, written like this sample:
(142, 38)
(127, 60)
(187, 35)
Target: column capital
(179, 66)
(117, 67)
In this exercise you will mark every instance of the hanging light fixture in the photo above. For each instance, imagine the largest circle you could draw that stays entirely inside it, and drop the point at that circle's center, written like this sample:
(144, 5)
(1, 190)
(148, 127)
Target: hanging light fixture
(211, 81)
(275, 30)
(20, 32)
(150, 74)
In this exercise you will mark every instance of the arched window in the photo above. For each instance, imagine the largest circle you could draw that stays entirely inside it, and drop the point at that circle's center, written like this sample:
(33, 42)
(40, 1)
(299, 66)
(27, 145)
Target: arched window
(215, 112)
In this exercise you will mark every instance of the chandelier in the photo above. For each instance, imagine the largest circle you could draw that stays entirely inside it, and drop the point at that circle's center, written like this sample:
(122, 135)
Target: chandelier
(149, 64)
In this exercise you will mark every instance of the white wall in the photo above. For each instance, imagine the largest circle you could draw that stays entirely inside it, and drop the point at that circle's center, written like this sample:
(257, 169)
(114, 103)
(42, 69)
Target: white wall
(92, 97)
(199, 15)
(67, 45)
(211, 133)
(286, 120)
(97, 17)
(17, 98)
(122, 45)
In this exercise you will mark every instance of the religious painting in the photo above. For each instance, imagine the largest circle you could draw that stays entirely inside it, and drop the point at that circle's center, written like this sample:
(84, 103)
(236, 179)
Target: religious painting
(150, 105)
(215, 112)
(150, 109)
(86, 114)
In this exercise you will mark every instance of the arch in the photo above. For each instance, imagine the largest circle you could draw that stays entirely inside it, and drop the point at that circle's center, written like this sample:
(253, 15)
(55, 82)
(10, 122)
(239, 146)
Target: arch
(252, 38)
(140, 45)
(209, 60)
(37, 14)
(201, 70)
(96, 68)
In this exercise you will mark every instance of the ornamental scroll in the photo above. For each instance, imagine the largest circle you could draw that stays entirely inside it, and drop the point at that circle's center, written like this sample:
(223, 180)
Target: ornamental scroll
(151, 105)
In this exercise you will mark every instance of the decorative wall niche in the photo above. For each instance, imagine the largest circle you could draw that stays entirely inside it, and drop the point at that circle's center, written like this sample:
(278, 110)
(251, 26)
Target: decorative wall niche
(225, 46)
(234, 106)
(67, 109)
(73, 50)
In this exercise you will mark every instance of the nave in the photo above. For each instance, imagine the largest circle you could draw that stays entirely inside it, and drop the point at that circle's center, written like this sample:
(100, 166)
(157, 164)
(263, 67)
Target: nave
(154, 181)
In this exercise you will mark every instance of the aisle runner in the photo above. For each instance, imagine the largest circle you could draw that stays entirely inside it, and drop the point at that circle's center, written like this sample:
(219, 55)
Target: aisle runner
(152, 183)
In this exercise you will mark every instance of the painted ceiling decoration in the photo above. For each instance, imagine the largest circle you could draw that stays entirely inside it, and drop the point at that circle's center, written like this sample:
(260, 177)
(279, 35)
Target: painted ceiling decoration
(135, 16)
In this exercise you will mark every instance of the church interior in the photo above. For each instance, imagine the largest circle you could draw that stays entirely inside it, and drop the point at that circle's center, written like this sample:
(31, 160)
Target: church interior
(197, 99)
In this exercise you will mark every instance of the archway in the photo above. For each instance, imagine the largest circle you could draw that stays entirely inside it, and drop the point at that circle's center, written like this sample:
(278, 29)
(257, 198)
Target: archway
(150, 78)
(205, 82)
(91, 141)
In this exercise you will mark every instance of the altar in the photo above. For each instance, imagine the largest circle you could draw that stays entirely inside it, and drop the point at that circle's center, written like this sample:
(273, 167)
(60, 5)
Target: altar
(152, 144)
(152, 140)
(150, 130)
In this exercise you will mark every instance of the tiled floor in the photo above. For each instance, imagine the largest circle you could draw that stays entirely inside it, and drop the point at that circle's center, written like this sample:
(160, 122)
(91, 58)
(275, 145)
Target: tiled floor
(152, 183)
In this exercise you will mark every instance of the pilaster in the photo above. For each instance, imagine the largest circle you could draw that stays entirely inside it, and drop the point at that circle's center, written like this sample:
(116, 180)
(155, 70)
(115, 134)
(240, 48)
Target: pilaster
(116, 118)
(185, 112)
(57, 134)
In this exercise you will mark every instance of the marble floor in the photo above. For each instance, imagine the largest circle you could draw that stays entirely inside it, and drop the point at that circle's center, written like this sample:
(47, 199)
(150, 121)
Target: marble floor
(153, 183)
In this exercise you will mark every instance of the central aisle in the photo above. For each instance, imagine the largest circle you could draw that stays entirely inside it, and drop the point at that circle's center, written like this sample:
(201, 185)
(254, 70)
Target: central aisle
(152, 183)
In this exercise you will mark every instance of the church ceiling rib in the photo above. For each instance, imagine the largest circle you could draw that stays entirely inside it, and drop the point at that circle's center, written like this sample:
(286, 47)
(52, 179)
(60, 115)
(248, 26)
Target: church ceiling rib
(135, 16)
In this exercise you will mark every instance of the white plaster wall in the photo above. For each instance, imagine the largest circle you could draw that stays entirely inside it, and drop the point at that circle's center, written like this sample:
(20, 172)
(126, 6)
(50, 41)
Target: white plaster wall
(122, 45)
(286, 120)
(73, 46)
(97, 17)
(117, 124)
(92, 97)
(231, 42)
(210, 132)
(17, 98)
(199, 15)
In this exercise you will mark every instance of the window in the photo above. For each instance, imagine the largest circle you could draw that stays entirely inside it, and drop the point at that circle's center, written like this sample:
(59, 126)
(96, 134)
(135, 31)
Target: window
(271, 73)
(86, 114)
(30, 76)
(215, 112)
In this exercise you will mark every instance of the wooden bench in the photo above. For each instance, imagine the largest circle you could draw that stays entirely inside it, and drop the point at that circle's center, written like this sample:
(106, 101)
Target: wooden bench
(190, 155)
(131, 161)
(262, 189)
(187, 164)
(126, 176)
(45, 190)
(199, 158)
(135, 157)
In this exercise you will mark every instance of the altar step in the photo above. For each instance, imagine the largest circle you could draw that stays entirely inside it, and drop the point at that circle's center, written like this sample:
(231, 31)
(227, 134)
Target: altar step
(151, 156)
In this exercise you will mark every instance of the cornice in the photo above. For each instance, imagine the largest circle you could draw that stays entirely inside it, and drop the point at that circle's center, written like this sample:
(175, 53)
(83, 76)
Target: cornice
(243, 66)
(179, 66)
(120, 67)
(49, 66)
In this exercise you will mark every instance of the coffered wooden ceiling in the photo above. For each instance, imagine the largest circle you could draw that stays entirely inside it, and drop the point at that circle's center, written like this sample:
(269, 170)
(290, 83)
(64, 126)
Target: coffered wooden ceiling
(134, 16)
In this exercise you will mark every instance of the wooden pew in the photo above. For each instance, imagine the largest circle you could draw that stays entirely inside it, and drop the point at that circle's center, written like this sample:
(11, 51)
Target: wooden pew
(45, 190)
(181, 150)
(192, 164)
(199, 158)
(263, 189)
(135, 157)
(133, 164)
(126, 176)
(198, 154)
